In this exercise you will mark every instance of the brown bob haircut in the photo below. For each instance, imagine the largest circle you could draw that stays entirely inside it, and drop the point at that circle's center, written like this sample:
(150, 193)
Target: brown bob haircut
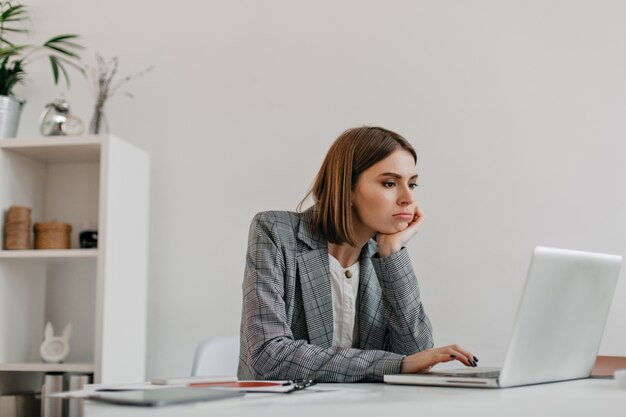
(354, 151)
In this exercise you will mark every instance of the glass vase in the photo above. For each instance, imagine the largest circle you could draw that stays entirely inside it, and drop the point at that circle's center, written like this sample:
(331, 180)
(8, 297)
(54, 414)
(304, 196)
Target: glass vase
(98, 124)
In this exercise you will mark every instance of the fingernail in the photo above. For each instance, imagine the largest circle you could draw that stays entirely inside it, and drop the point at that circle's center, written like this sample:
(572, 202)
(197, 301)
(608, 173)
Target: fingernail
(473, 363)
(475, 359)
(453, 356)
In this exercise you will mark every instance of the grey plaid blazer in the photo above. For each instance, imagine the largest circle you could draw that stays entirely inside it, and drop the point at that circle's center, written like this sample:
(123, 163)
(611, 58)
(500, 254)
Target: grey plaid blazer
(287, 317)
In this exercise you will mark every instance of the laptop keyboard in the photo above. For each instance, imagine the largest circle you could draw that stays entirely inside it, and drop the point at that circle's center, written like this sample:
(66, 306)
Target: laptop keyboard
(470, 374)
(490, 374)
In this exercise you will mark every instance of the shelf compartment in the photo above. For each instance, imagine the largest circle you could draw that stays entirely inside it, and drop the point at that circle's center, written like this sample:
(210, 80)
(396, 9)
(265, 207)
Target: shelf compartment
(58, 178)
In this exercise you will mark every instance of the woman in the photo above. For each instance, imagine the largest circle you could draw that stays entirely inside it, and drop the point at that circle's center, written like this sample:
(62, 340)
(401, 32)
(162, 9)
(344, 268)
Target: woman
(329, 294)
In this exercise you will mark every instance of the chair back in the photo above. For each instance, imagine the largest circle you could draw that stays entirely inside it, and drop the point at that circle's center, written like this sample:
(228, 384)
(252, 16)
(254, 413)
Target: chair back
(217, 356)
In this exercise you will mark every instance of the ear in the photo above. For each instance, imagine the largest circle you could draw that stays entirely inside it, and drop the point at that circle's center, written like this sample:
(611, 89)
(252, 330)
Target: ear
(48, 331)
(67, 332)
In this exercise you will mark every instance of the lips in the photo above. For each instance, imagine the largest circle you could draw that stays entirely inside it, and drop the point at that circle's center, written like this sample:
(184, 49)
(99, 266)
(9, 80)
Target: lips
(403, 216)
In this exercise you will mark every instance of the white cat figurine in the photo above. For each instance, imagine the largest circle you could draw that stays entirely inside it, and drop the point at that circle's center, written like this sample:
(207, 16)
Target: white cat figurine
(54, 349)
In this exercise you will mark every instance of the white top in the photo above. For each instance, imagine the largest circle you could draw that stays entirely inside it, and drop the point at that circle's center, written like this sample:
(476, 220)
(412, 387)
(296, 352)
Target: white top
(344, 284)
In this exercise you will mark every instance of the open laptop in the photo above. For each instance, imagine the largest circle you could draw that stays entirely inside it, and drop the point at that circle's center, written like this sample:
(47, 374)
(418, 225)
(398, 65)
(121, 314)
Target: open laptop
(559, 324)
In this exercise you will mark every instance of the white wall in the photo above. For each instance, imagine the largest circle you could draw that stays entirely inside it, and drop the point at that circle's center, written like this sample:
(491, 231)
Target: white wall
(516, 108)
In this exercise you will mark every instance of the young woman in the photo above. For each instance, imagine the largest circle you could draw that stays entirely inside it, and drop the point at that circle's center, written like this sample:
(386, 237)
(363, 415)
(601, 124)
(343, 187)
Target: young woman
(329, 294)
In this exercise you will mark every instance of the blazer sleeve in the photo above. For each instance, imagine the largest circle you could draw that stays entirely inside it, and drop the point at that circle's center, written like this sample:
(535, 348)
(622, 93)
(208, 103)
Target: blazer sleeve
(410, 330)
(270, 351)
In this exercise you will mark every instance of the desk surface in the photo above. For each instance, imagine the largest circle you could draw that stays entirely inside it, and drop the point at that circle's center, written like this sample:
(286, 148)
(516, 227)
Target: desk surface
(590, 397)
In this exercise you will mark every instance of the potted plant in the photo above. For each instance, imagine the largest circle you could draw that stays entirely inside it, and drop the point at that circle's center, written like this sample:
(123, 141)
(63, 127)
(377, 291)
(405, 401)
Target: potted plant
(60, 51)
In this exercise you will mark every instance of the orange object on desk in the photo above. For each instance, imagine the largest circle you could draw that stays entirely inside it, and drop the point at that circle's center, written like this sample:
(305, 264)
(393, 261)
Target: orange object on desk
(607, 365)
(240, 384)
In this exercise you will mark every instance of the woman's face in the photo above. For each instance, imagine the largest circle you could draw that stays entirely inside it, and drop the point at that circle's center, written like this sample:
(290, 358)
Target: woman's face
(383, 199)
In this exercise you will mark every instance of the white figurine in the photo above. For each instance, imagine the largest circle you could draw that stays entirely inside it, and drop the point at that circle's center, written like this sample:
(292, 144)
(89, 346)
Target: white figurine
(55, 349)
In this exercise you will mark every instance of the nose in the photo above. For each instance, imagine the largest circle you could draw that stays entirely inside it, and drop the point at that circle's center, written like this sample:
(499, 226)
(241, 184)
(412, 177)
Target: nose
(406, 197)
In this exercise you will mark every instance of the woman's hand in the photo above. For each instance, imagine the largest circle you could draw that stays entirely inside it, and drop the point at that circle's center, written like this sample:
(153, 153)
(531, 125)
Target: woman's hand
(423, 361)
(392, 243)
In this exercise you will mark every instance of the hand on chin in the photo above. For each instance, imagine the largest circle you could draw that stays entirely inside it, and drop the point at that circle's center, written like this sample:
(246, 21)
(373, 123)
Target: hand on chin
(399, 234)
(392, 229)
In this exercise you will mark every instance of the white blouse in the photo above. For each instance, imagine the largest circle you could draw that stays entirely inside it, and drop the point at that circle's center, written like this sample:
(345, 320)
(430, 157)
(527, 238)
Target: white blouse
(344, 285)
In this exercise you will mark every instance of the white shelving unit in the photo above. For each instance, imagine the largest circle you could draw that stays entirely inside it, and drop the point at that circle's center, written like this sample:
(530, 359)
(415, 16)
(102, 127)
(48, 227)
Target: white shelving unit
(92, 182)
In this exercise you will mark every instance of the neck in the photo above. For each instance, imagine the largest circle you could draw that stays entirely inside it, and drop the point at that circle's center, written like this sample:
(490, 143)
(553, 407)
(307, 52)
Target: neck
(346, 254)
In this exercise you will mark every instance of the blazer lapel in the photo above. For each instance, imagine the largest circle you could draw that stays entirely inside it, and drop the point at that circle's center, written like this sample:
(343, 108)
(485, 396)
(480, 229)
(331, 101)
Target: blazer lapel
(371, 313)
(314, 276)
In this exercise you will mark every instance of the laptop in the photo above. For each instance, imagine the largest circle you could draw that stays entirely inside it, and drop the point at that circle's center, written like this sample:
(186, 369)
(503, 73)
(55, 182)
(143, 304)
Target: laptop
(558, 328)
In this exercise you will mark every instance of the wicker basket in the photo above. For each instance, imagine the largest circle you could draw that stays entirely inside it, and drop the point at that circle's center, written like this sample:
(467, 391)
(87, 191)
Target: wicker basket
(17, 236)
(17, 228)
(52, 235)
(18, 214)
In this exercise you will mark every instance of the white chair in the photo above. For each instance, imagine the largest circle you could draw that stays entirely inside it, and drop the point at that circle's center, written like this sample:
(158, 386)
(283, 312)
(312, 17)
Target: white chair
(217, 356)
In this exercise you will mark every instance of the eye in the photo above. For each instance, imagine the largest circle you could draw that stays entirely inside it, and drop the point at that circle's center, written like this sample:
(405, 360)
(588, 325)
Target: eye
(413, 186)
(389, 184)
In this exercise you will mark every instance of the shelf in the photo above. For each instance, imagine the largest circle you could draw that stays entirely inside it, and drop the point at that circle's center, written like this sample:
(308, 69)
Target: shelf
(47, 367)
(57, 149)
(48, 254)
(88, 182)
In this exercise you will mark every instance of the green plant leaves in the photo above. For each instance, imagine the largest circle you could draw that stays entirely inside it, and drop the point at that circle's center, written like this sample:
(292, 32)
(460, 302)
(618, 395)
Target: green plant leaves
(9, 75)
(55, 68)
(12, 12)
(61, 50)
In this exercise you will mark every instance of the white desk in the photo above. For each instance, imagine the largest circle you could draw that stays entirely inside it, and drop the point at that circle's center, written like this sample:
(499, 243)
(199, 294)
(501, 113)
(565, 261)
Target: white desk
(591, 397)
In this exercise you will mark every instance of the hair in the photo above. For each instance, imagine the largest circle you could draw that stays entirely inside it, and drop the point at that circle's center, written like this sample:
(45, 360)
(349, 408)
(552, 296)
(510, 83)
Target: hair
(353, 152)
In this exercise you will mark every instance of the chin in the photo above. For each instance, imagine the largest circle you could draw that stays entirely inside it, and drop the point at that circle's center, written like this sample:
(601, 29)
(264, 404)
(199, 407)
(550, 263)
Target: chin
(402, 227)
(389, 230)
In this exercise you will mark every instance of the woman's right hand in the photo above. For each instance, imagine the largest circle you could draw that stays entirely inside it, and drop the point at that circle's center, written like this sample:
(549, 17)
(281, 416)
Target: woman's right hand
(423, 361)
(388, 244)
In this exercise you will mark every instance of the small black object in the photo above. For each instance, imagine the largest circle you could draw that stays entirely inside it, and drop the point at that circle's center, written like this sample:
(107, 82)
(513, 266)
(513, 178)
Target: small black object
(88, 239)
(300, 384)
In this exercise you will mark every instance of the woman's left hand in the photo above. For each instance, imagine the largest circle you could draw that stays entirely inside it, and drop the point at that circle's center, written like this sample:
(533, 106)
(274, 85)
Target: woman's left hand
(388, 244)
(426, 359)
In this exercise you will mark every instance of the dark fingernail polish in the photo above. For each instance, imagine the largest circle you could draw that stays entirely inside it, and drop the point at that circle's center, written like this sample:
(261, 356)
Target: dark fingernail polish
(475, 359)
(453, 356)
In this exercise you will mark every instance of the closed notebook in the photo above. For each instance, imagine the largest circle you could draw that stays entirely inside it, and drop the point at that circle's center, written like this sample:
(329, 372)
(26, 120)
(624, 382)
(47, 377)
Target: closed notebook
(163, 397)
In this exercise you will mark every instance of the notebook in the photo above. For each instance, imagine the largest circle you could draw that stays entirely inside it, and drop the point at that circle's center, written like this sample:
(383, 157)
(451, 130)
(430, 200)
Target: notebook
(162, 397)
(558, 328)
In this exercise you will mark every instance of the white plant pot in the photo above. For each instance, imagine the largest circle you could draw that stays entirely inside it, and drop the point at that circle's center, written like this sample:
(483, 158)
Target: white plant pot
(10, 111)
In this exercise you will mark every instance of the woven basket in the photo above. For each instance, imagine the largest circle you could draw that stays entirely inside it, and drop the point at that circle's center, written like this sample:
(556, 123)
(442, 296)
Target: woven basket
(18, 214)
(17, 235)
(17, 228)
(52, 235)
